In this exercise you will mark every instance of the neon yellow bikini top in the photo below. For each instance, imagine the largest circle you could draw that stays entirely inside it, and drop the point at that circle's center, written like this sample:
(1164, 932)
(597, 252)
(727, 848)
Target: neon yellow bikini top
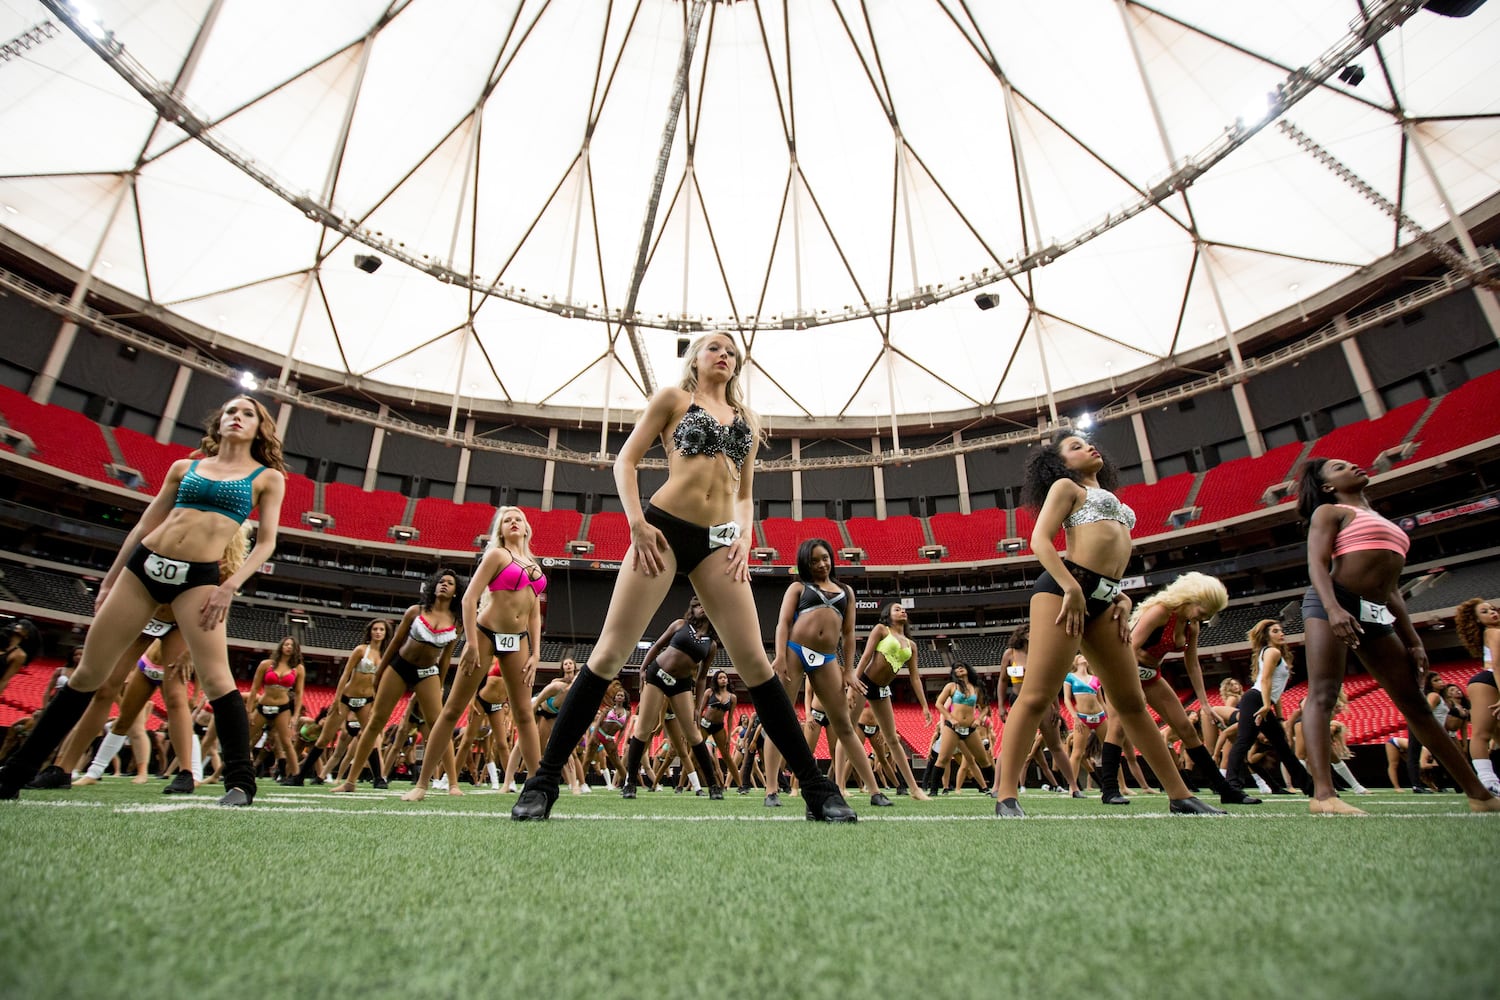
(895, 653)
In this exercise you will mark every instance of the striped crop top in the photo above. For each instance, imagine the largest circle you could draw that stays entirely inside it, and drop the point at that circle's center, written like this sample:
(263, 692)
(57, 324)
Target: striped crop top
(1368, 530)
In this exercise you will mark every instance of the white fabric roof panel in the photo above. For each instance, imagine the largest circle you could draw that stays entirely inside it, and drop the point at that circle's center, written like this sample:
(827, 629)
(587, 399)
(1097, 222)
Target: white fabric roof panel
(517, 142)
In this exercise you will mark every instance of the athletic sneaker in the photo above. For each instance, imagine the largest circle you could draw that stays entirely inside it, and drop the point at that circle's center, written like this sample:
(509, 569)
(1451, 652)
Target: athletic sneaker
(51, 777)
(181, 784)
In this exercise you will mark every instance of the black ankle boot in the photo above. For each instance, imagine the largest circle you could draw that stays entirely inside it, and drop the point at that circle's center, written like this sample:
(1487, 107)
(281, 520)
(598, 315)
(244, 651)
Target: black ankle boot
(1203, 765)
(52, 727)
(825, 804)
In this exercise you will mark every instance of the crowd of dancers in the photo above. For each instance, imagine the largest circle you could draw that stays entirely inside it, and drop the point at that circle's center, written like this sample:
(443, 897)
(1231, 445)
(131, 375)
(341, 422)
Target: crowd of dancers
(1071, 696)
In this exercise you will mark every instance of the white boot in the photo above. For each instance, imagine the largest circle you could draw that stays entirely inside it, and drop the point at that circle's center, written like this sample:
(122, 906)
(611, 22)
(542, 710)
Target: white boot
(494, 774)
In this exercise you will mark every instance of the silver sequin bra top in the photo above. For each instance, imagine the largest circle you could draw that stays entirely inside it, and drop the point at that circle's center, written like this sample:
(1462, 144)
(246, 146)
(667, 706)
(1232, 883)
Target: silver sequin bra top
(698, 433)
(1100, 505)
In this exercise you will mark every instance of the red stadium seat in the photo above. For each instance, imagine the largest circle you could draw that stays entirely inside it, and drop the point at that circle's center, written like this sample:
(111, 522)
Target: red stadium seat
(784, 535)
(970, 537)
(358, 514)
(1465, 415)
(447, 525)
(63, 438)
(1362, 441)
(1235, 487)
(895, 541)
(609, 530)
(551, 531)
(1154, 503)
(297, 500)
(144, 455)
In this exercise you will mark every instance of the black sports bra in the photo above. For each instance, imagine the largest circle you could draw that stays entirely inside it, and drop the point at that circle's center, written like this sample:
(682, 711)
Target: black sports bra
(689, 642)
(698, 433)
(813, 597)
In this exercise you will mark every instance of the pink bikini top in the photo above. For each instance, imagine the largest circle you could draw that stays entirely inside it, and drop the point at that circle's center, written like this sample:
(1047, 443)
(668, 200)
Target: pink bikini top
(286, 680)
(515, 576)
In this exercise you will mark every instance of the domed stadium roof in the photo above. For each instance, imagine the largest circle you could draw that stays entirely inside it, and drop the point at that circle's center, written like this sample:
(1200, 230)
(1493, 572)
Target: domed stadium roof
(560, 192)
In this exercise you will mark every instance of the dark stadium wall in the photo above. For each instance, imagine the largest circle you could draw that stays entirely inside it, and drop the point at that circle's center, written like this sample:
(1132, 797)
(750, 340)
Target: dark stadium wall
(997, 472)
(928, 478)
(28, 335)
(405, 456)
(495, 478)
(1313, 386)
(1445, 331)
(1202, 422)
(108, 370)
(843, 491)
(340, 448)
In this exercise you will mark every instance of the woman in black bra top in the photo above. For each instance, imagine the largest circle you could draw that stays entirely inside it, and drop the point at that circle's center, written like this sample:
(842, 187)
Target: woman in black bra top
(671, 674)
(696, 525)
(715, 712)
(816, 622)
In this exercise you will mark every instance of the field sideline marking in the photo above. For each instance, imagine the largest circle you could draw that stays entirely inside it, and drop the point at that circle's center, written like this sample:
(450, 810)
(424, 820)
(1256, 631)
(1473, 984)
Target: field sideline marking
(166, 807)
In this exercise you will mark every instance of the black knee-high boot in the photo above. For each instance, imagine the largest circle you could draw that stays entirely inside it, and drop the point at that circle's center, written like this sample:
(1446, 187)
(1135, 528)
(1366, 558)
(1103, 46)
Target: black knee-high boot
(1109, 777)
(1203, 764)
(52, 727)
(233, 726)
(779, 720)
(706, 773)
(573, 719)
(989, 776)
(635, 749)
(377, 768)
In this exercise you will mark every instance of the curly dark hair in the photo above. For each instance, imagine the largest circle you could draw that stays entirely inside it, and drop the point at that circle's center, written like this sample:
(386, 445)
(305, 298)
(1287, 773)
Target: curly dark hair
(1046, 466)
(971, 681)
(30, 637)
(430, 586)
(1469, 628)
(1310, 492)
(1020, 639)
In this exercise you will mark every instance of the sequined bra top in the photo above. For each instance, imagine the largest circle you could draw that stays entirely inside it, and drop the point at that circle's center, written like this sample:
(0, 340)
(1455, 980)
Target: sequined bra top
(1100, 505)
(698, 433)
(234, 498)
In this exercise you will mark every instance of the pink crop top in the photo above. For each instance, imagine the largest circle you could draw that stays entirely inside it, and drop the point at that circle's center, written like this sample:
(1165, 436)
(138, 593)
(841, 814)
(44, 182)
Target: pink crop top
(1368, 530)
(515, 576)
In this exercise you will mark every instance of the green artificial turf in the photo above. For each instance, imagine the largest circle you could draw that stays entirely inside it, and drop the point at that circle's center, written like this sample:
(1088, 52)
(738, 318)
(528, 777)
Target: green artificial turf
(309, 894)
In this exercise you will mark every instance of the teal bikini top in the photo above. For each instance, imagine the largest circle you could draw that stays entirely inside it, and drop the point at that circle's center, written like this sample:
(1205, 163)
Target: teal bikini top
(234, 498)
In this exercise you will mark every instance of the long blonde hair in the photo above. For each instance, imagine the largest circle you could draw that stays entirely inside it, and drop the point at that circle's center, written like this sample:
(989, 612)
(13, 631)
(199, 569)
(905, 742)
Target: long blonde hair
(235, 553)
(732, 391)
(494, 540)
(1190, 588)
